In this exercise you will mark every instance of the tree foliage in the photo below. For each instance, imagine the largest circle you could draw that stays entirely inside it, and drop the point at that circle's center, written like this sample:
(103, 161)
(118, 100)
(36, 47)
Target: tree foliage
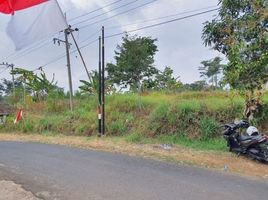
(134, 62)
(240, 32)
(91, 87)
(6, 87)
(163, 80)
(211, 70)
(196, 86)
(40, 87)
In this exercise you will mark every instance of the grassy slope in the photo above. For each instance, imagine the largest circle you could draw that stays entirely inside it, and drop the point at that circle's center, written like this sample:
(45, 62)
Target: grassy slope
(190, 119)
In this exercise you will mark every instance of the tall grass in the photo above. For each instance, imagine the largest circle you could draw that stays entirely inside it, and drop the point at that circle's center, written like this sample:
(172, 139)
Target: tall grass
(190, 116)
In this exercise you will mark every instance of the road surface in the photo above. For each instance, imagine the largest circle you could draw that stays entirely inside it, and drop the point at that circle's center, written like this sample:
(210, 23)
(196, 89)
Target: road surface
(57, 172)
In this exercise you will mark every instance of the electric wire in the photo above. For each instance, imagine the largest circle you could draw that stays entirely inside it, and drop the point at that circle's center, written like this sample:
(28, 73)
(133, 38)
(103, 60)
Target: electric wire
(32, 50)
(18, 55)
(159, 18)
(1, 72)
(149, 20)
(121, 13)
(88, 13)
(29, 50)
(104, 13)
(134, 30)
(162, 23)
(93, 11)
(91, 36)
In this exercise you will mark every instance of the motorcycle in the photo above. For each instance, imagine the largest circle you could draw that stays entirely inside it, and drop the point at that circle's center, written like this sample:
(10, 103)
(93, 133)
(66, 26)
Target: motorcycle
(250, 142)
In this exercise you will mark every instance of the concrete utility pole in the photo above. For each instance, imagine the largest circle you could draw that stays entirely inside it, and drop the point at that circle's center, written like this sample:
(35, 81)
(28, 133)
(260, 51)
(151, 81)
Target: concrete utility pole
(68, 31)
(13, 78)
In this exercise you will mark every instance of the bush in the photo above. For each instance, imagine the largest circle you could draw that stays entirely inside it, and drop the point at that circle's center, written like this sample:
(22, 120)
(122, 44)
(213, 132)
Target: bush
(209, 128)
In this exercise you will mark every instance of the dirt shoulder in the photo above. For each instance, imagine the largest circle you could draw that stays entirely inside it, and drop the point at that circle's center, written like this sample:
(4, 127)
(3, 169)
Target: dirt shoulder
(223, 161)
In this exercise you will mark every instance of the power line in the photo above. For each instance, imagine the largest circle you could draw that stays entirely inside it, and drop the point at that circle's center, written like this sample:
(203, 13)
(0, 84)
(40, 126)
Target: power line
(52, 61)
(134, 30)
(91, 36)
(18, 55)
(30, 50)
(116, 8)
(115, 2)
(158, 18)
(129, 10)
(86, 45)
(1, 72)
(162, 23)
(63, 55)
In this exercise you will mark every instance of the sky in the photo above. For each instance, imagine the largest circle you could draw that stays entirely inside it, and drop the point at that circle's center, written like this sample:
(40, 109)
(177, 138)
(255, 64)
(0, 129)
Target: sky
(179, 43)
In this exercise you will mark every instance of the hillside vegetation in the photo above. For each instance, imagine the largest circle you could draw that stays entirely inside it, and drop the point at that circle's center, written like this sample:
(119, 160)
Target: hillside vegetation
(172, 118)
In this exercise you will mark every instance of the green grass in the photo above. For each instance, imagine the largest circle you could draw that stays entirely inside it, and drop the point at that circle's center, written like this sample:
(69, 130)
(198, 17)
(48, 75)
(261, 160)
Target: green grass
(190, 118)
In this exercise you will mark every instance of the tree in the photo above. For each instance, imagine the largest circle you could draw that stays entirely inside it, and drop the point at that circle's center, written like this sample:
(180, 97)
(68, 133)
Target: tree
(134, 62)
(91, 87)
(196, 86)
(240, 33)
(6, 87)
(211, 69)
(166, 81)
(40, 86)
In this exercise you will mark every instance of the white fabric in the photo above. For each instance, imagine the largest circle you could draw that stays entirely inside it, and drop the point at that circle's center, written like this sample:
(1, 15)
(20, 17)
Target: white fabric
(32, 24)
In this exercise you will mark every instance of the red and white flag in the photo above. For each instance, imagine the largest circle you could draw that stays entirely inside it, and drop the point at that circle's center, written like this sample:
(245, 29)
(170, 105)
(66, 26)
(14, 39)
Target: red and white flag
(32, 20)
(18, 116)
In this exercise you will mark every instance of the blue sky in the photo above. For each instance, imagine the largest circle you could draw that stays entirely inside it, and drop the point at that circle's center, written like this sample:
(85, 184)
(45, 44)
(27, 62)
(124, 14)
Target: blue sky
(179, 43)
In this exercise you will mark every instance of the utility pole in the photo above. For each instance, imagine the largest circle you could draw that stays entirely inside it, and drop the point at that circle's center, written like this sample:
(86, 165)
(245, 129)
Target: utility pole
(68, 31)
(100, 89)
(103, 83)
(13, 78)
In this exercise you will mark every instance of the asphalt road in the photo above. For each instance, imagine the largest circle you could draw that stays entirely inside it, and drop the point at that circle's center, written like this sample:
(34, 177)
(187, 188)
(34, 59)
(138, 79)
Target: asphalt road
(56, 172)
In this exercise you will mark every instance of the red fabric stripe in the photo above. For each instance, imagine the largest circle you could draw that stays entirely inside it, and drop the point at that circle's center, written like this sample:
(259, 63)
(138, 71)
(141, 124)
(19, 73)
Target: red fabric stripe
(10, 6)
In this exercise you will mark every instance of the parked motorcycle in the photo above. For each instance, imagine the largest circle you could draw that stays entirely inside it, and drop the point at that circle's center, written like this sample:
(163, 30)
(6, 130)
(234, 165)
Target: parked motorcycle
(245, 139)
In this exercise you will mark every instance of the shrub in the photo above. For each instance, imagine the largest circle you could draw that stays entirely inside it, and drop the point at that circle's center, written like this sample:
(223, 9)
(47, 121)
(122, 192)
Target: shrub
(209, 128)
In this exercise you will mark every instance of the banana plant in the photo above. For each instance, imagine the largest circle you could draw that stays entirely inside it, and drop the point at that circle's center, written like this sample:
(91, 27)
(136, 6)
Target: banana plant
(40, 87)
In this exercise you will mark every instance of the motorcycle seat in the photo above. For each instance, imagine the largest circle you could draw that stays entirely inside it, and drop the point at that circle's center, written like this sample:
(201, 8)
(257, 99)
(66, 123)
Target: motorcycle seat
(247, 137)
